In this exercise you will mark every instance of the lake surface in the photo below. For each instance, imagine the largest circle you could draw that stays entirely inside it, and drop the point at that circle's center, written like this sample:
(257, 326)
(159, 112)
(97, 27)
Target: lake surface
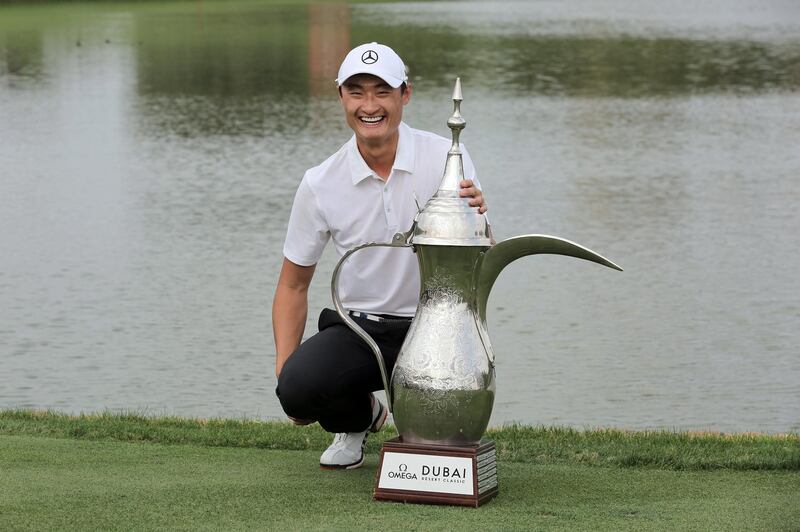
(149, 154)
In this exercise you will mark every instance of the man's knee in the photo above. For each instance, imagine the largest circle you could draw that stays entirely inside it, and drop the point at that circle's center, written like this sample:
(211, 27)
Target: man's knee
(299, 390)
(290, 390)
(319, 371)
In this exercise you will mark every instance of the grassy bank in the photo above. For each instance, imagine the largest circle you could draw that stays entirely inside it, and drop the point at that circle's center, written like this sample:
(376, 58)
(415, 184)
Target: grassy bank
(117, 472)
(539, 445)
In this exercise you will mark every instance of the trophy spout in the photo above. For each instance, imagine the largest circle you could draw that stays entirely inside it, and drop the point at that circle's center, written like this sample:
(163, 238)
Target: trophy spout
(502, 254)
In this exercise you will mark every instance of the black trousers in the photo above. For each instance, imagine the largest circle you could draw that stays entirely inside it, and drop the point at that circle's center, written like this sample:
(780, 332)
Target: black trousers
(330, 376)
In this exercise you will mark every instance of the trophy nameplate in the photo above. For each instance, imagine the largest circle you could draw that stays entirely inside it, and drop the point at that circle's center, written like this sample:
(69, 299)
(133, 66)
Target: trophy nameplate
(437, 474)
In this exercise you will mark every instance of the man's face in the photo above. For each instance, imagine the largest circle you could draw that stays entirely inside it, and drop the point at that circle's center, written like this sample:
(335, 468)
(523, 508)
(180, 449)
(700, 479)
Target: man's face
(373, 109)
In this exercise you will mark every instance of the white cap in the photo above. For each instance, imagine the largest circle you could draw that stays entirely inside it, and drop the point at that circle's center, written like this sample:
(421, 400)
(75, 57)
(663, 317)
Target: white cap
(376, 59)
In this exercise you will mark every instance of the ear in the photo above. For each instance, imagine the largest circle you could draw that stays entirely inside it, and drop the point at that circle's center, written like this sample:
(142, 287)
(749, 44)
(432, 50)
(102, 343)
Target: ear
(407, 93)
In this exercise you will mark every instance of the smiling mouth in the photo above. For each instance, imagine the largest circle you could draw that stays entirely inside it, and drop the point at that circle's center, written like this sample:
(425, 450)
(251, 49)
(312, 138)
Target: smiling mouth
(371, 120)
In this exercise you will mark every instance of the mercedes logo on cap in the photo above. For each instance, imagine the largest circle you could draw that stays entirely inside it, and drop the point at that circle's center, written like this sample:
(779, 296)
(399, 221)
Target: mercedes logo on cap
(369, 57)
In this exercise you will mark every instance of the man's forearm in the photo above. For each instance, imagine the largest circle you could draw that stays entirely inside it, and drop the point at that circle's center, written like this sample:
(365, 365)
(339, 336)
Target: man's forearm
(289, 312)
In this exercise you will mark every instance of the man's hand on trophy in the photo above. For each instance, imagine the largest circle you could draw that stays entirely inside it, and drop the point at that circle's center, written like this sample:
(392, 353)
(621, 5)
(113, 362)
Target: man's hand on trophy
(469, 190)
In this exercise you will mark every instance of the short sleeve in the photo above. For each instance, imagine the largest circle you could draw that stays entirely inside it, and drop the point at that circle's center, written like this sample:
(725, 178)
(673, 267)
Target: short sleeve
(308, 231)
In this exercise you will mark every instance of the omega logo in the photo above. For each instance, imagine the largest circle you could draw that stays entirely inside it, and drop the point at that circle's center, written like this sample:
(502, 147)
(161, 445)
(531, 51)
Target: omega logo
(402, 473)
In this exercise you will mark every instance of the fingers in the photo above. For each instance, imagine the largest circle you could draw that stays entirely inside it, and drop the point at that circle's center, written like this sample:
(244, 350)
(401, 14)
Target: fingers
(468, 190)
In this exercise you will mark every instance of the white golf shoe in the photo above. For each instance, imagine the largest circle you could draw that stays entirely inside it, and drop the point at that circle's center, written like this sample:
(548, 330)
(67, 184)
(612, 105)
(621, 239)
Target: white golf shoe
(347, 449)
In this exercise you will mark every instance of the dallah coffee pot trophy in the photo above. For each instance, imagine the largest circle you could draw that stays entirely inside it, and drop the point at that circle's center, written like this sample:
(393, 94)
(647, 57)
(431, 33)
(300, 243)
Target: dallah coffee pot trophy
(442, 388)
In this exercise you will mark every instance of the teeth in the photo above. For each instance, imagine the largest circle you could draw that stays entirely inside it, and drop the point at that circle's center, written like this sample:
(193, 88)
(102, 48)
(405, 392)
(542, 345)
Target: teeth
(371, 119)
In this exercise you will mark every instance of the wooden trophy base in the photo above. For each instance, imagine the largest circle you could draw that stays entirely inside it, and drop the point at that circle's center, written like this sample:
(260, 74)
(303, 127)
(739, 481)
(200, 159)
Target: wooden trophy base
(437, 474)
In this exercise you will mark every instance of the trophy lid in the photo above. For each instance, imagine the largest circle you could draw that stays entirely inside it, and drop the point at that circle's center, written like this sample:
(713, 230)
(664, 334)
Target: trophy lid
(448, 219)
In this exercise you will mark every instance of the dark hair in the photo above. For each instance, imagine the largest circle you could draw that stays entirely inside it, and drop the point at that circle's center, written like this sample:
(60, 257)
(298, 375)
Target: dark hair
(403, 87)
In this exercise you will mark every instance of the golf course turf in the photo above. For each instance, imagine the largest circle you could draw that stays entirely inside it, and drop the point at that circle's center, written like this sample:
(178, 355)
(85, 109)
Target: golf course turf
(119, 472)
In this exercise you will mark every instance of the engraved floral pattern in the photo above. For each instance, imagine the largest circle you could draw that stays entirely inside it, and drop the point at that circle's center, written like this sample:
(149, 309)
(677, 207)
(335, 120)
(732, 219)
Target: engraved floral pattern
(443, 384)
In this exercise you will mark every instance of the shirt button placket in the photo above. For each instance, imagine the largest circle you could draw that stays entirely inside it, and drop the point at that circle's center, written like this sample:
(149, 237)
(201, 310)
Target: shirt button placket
(387, 205)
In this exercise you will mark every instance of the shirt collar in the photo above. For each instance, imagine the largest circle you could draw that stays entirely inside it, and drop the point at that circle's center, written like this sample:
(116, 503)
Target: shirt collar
(403, 159)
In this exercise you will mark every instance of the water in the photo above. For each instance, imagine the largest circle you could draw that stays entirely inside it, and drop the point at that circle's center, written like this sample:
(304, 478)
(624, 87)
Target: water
(149, 154)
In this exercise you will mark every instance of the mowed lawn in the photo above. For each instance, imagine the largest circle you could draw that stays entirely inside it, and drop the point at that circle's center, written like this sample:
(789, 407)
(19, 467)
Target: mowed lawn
(58, 483)
(52, 482)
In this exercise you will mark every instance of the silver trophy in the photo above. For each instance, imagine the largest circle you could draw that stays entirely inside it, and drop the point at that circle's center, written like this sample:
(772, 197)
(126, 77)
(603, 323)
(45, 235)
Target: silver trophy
(441, 391)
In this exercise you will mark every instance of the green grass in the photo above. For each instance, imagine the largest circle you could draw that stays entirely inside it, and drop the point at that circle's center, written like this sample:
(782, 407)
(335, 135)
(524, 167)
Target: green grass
(122, 472)
(540, 445)
(52, 483)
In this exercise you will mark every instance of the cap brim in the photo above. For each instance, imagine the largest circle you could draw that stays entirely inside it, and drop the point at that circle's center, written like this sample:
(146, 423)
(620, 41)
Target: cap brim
(391, 80)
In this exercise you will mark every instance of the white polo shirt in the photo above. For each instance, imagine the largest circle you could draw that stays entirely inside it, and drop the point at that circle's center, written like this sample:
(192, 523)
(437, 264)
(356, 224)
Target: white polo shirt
(344, 200)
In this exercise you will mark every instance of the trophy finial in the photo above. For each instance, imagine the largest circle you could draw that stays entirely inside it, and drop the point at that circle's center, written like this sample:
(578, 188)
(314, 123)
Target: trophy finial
(454, 167)
(456, 123)
(457, 90)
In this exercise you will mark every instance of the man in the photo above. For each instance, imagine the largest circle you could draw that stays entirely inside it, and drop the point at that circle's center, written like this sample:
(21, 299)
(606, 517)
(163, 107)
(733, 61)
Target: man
(365, 192)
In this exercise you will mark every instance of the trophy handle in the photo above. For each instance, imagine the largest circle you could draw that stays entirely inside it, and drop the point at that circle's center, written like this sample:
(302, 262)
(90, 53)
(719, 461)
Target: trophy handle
(399, 240)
